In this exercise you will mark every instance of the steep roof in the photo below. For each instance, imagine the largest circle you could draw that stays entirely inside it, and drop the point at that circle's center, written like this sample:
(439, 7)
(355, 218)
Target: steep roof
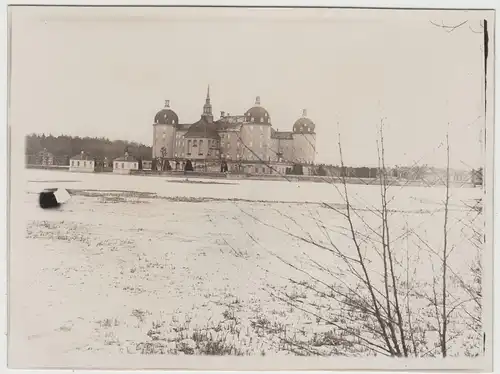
(257, 114)
(83, 156)
(304, 125)
(281, 135)
(183, 126)
(166, 116)
(202, 129)
(126, 158)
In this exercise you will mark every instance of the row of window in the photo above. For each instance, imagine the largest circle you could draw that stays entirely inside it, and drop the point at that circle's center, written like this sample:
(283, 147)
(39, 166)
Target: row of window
(250, 143)
(77, 163)
(302, 129)
(264, 170)
(194, 144)
(228, 144)
(118, 165)
(122, 164)
(222, 135)
(211, 142)
(261, 128)
(209, 153)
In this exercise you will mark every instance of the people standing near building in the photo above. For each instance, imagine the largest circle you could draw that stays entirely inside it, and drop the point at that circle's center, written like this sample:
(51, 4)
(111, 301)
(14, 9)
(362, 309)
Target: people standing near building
(188, 166)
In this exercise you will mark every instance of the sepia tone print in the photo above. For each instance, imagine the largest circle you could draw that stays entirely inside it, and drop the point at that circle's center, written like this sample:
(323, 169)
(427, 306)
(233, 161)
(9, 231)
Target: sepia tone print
(314, 186)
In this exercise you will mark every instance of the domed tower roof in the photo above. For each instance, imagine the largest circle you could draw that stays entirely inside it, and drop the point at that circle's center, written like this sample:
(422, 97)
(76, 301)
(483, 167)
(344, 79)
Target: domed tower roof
(257, 114)
(304, 125)
(166, 116)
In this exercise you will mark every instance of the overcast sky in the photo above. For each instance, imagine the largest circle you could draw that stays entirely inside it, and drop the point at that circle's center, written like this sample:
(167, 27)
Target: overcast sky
(106, 72)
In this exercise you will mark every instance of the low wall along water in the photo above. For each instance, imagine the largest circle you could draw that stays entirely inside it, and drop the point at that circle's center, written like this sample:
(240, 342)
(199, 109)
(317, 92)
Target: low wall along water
(270, 177)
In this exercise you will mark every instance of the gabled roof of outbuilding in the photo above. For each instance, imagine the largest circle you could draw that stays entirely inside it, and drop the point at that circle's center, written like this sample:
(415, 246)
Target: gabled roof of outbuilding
(128, 158)
(83, 156)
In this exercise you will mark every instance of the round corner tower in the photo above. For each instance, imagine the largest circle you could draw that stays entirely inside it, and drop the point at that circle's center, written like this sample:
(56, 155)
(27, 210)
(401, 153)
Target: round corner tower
(304, 140)
(164, 128)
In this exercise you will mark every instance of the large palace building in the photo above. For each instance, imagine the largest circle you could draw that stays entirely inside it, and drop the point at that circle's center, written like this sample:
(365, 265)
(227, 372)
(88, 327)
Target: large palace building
(245, 143)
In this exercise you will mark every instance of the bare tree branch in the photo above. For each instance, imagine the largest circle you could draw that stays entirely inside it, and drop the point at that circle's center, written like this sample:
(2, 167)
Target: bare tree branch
(449, 28)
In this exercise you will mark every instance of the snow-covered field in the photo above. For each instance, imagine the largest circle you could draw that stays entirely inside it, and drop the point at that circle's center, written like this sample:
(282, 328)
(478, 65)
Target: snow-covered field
(139, 265)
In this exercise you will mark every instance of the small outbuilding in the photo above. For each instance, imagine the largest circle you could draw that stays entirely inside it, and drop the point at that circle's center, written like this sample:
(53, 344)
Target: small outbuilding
(82, 163)
(125, 164)
(147, 164)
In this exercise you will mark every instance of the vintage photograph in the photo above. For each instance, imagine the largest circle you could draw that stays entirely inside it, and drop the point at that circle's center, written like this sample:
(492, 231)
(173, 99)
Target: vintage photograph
(219, 187)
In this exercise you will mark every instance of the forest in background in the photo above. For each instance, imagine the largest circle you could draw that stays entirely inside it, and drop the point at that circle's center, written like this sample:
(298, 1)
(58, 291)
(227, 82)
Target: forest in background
(69, 146)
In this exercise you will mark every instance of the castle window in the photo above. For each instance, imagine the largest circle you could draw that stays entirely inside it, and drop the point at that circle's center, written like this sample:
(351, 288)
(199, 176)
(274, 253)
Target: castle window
(195, 143)
(72, 163)
(84, 163)
(116, 165)
(189, 147)
(262, 119)
(78, 163)
(200, 150)
(123, 165)
(173, 122)
(252, 119)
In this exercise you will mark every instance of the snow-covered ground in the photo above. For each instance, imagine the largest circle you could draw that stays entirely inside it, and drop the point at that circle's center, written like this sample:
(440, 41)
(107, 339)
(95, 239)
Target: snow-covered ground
(138, 265)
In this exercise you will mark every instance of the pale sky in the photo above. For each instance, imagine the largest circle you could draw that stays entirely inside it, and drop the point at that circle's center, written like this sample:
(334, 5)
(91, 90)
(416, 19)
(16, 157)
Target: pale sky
(106, 72)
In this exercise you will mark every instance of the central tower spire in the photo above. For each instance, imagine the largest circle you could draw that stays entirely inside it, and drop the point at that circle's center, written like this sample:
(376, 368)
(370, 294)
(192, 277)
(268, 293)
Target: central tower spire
(207, 108)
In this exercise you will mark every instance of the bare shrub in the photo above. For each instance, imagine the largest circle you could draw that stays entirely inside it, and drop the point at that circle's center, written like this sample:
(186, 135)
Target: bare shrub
(372, 298)
(214, 339)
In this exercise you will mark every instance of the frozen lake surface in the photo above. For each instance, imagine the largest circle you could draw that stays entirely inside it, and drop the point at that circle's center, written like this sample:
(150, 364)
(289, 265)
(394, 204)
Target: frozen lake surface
(134, 265)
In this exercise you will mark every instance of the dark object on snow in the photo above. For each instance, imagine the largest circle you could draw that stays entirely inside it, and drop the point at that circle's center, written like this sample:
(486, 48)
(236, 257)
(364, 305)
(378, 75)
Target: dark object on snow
(48, 200)
(188, 166)
(53, 198)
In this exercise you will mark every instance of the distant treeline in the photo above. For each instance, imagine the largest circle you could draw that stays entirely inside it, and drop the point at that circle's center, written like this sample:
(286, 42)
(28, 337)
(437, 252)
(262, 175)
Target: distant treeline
(69, 146)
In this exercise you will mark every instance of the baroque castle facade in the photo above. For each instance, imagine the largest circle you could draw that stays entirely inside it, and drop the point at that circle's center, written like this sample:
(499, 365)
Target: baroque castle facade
(246, 142)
